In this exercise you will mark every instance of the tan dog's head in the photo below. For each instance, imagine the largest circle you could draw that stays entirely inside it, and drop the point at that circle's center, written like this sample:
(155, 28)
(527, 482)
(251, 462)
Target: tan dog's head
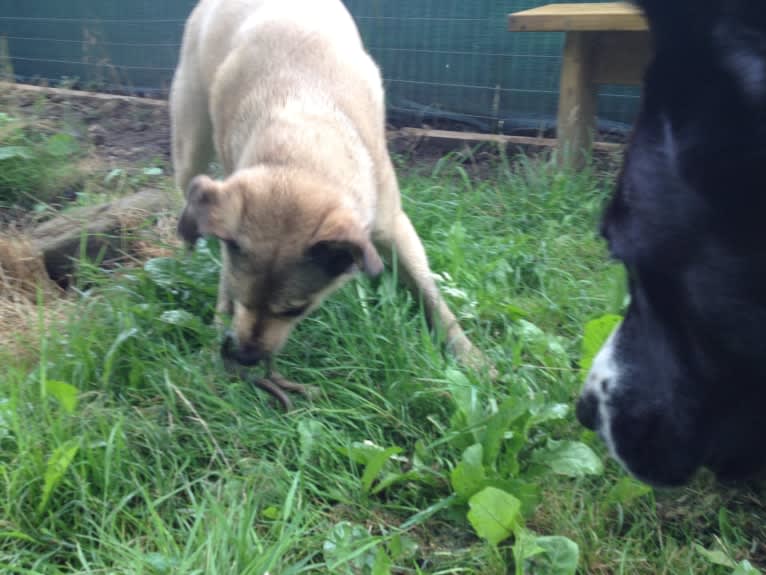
(288, 243)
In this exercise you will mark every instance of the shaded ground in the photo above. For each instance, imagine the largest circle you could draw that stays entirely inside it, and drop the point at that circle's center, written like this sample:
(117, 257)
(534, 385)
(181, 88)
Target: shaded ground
(121, 130)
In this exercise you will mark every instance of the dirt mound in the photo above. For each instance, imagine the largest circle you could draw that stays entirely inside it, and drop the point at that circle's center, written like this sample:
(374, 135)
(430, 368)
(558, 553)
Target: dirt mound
(27, 296)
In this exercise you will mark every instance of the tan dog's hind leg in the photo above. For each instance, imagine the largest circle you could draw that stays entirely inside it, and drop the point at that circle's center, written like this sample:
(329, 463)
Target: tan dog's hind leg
(413, 264)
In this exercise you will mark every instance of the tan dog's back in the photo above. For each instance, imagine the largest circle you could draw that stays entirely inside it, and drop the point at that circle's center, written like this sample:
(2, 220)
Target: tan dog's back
(297, 59)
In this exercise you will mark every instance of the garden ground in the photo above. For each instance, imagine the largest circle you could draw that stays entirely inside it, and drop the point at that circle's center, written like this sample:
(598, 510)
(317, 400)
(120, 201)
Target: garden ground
(126, 448)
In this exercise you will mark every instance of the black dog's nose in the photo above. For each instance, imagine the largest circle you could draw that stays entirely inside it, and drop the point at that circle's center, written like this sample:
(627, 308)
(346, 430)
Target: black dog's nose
(587, 411)
(247, 355)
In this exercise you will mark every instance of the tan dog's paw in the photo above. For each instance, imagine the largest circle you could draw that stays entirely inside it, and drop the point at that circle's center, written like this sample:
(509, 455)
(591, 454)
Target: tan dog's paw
(472, 357)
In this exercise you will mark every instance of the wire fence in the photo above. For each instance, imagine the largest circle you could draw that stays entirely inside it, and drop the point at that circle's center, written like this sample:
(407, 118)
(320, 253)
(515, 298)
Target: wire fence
(447, 63)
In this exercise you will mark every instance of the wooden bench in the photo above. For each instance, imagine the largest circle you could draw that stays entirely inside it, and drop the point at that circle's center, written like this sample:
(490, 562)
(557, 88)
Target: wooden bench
(606, 43)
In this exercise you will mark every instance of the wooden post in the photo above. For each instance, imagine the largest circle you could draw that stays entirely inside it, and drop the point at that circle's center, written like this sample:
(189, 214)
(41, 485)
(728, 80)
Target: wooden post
(577, 100)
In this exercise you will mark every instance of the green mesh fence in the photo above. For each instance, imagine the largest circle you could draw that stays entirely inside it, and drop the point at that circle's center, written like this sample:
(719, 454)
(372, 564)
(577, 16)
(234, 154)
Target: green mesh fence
(445, 62)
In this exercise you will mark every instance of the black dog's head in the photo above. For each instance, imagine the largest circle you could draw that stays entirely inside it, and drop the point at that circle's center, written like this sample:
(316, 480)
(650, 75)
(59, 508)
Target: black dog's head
(682, 382)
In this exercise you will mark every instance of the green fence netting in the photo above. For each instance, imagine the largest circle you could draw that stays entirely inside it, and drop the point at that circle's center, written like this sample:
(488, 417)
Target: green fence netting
(445, 62)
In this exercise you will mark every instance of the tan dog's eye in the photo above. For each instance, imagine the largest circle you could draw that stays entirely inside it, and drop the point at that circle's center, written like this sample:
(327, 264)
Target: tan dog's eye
(233, 247)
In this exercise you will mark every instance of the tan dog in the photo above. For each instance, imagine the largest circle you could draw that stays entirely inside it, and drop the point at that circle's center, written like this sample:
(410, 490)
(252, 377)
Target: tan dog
(284, 93)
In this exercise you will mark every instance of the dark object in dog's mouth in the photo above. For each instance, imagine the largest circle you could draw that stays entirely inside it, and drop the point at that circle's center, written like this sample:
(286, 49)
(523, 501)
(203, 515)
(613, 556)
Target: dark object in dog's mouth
(272, 382)
(277, 385)
(271, 387)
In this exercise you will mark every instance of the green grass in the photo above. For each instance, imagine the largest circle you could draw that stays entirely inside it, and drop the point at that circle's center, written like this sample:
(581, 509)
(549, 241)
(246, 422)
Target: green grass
(157, 461)
(36, 162)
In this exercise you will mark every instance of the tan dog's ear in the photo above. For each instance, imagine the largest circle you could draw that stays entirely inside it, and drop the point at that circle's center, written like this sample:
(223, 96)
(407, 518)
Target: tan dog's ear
(210, 209)
(340, 243)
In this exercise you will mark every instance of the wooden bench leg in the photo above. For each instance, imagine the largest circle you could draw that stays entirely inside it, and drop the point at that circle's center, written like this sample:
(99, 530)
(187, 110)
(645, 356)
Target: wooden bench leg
(577, 99)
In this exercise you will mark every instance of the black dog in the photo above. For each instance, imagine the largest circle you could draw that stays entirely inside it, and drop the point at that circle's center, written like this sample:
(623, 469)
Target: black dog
(682, 382)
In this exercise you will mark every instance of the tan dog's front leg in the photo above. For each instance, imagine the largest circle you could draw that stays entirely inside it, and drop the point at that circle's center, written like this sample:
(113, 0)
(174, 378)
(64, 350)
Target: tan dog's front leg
(414, 263)
(224, 306)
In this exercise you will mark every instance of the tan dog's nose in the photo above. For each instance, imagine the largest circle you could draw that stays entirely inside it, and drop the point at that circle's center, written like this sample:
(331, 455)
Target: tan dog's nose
(248, 354)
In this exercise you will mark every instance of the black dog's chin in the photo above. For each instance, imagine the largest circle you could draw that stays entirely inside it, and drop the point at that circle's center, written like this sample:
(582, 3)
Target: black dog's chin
(587, 411)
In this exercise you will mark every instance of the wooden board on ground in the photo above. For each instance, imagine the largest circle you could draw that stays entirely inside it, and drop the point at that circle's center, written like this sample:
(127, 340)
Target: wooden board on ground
(498, 138)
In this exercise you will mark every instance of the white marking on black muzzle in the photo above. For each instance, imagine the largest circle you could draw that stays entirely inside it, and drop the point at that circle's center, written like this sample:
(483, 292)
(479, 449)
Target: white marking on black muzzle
(594, 404)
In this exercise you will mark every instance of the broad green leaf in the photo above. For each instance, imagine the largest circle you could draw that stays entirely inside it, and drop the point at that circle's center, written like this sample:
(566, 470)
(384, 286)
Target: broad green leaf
(375, 465)
(60, 145)
(468, 477)
(402, 547)
(509, 461)
(715, 556)
(12, 152)
(382, 565)
(597, 331)
(152, 171)
(361, 451)
(524, 547)
(559, 557)
(497, 426)
(528, 493)
(745, 568)
(550, 412)
(494, 514)
(626, 490)
(570, 458)
(465, 396)
(309, 430)
(57, 466)
(349, 543)
(544, 347)
(272, 512)
(65, 393)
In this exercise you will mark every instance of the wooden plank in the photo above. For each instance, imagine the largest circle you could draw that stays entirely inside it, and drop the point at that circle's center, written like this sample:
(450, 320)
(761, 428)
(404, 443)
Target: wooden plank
(100, 232)
(584, 17)
(67, 93)
(498, 138)
(577, 98)
(621, 57)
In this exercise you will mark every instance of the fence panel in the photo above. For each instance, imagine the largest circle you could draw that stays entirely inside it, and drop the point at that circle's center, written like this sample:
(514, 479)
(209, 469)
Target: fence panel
(445, 62)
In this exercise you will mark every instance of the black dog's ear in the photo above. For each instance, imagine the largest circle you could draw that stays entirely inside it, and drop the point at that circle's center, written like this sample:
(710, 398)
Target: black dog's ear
(210, 210)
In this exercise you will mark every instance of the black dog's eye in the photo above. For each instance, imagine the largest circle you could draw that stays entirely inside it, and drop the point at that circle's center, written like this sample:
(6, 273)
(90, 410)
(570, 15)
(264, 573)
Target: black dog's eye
(294, 311)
